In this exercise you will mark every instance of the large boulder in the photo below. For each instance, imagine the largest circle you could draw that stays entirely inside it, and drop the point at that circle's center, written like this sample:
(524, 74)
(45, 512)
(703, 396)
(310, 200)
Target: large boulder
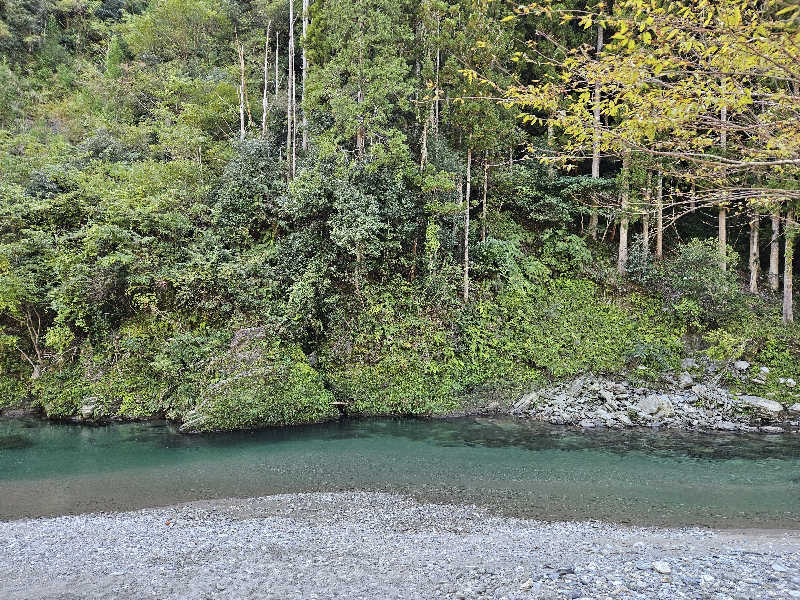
(655, 405)
(524, 403)
(763, 405)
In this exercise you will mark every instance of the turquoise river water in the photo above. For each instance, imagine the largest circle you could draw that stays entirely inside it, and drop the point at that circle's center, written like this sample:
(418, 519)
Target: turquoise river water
(512, 467)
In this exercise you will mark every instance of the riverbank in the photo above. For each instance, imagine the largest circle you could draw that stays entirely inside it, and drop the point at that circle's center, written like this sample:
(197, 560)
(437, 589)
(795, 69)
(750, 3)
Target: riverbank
(366, 545)
(691, 400)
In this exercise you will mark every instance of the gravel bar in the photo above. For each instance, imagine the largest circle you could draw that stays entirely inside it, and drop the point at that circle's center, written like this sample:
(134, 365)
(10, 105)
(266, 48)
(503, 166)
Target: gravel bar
(370, 545)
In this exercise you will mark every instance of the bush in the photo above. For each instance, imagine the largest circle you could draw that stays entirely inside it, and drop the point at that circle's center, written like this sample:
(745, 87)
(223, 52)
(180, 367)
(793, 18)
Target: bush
(694, 285)
(395, 355)
(261, 382)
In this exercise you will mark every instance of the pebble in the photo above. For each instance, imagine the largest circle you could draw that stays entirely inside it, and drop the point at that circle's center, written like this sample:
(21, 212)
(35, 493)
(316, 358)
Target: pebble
(662, 567)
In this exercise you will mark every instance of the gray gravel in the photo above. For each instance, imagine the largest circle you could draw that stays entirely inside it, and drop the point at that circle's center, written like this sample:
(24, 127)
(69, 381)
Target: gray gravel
(367, 545)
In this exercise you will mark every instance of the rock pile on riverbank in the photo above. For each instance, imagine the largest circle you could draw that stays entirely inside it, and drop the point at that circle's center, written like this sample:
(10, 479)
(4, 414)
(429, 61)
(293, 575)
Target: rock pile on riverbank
(682, 403)
(367, 546)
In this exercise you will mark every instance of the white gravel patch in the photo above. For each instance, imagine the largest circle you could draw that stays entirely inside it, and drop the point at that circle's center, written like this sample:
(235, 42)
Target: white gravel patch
(371, 546)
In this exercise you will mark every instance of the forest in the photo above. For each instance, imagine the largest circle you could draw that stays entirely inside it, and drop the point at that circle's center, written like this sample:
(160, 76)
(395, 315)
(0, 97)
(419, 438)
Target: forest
(265, 212)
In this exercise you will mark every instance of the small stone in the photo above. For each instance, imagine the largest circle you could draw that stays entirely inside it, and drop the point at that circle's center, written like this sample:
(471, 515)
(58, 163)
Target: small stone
(626, 421)
(726, 426)
(526, 585)
(790, 382)
(741, 365)
(764, 370)
(779, 568)
(770, 429)
(685, 380)
(662, 567)
(587, 424)
(794, 408)
(688, 363)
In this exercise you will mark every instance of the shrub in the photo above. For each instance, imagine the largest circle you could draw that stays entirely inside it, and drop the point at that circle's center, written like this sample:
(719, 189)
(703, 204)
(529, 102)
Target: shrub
(261, 382)
(696, 287)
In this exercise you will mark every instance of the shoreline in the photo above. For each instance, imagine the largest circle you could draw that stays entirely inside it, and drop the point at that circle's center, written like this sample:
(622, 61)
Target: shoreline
(367, 545)
(586, 401)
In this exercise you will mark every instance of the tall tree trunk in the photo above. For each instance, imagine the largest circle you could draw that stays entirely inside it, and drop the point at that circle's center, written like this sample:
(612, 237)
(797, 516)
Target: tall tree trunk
(722, 219)
(789, 234)
(660, 215)
(775, 251)
(485, 194)
(755, 259)
(722, 227)
(648, 193)
(596, 141)
(460, 201)
(550, 169)
(264, 98)
(277, 49)
(240, 52)
(241, 113)
(436, 76)
(466, 225)
(423, 143)
(290, 95)
(622, 259)
(305, 72)
(294, 124)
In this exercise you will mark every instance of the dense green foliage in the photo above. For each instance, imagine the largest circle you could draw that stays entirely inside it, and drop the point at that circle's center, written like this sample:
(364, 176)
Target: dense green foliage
(139, 233)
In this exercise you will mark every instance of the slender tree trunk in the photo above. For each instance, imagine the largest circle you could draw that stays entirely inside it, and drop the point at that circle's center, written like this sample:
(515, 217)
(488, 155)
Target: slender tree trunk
(294, 124)
(722, 219)
(692, 198)
(241, 113)
(240, 52)
(485, 194)
(305, 72)
(660, 215)
(622, 259)
(423, 146)
(277, 48)
(788, 266)
(775, 251)
(290, 96)
(550, 169)
(596, 140)
(648, 193)
(466, 225)
(722, 227)
(755, 259)
(264, 98)
(460, 197)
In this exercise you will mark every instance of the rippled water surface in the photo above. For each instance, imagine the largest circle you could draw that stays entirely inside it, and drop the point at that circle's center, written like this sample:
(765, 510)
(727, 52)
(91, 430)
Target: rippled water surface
(516, 468)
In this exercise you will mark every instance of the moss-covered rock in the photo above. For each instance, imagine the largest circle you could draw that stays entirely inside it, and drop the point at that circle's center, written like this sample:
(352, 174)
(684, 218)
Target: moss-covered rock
(260, 381)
